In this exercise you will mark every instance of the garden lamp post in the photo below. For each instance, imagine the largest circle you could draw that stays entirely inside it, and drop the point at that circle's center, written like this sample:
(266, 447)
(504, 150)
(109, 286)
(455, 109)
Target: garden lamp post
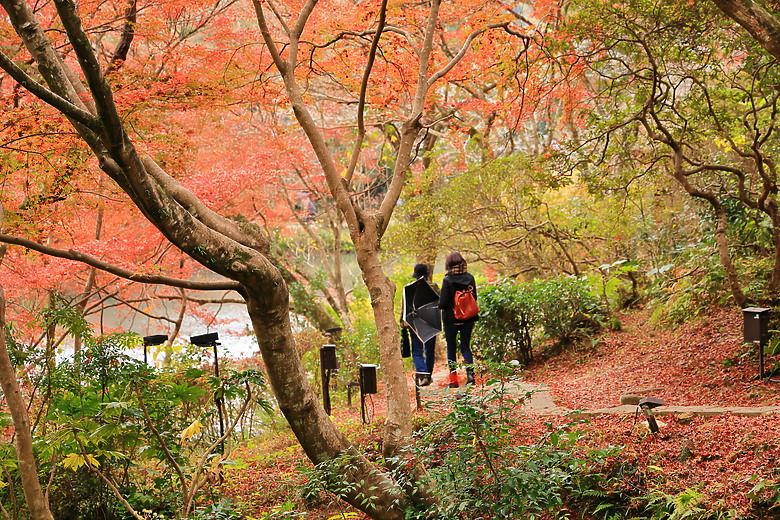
(328, 363)
(212, 340)
(151, 341)
(367, 386)
(756, 331)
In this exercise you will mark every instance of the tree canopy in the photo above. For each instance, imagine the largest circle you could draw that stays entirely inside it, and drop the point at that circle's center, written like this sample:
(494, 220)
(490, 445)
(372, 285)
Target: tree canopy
(241, 152)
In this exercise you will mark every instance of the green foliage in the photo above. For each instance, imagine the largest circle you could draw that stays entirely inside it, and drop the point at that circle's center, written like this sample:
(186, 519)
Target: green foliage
(80, 495)
(416, 229)
(514, 316)
(617, 284)
(481, 469)
(566, 307)
(689, 287)
(765, 493)
(62, 314)
(103, 411)
(507, 320)
(286, 510)
(361, 345)
(688, 504)
(222, 510)
(695, 82)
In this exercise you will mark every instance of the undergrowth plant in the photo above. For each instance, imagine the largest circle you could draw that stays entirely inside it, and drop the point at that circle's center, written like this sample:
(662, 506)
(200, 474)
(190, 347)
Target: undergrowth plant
(516, 316)
(483, 469)
(115, 437)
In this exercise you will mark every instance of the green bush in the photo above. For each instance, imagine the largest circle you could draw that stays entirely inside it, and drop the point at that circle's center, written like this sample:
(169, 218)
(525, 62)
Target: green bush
(504, 330)
(139, 426)
(566, 307)
(514, 316)
(221, 510)
(482, 471)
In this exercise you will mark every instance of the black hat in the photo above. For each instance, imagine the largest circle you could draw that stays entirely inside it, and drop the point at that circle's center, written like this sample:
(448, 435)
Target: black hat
(420, 271)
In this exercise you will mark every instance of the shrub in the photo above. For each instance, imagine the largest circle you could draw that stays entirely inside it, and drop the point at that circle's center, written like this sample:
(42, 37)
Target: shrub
(102, 411)
(514, 316)
(482, 471)
(566, 308)
(504, 330)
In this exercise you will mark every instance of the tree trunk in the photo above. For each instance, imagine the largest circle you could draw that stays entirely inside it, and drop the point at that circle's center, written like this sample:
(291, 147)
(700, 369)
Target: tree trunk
(774, 281)
(760, 23)
(323, 443)
(725, 257)
(33, 494)
(382, 291)
(720, 229)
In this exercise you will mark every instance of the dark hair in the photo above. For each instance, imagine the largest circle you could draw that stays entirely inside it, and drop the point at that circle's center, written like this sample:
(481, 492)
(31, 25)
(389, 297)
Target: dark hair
(420, 271)
(453, 259)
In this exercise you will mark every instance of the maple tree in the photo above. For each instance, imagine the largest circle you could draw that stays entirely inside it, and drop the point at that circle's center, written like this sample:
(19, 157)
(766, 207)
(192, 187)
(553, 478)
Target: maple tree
(235, 248)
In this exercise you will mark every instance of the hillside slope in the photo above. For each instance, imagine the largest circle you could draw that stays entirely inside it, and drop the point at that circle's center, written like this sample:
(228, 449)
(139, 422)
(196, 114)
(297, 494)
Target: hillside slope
(700, 363)
(722, 465)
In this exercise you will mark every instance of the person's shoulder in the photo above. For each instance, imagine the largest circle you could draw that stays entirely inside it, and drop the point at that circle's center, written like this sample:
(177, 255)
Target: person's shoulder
(465, 277)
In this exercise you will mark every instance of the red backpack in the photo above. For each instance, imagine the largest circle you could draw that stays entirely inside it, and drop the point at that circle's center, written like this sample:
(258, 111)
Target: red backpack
(466, 306)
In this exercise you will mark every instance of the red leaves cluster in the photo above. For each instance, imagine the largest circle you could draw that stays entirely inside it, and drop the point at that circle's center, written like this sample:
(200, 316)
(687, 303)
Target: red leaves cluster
(702, 363)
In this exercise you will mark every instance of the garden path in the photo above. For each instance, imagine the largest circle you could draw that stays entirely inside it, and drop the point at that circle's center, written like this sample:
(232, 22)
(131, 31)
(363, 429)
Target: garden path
(542, 403)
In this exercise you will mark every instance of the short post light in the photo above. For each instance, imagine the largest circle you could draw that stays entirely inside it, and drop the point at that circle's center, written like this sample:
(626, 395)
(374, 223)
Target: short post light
(212, 340)
(647, 404)
(367, 386)
(154, 340)
(328, 363)
(757, 332)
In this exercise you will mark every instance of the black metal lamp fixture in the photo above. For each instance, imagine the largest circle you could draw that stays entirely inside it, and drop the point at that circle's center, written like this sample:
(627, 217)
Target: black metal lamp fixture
(646, 404)
(151, 341)
(328, 363)
(757, 332)
(211, 339)
(367, 386)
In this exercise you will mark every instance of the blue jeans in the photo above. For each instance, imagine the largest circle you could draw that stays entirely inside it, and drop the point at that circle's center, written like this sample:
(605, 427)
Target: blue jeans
(452, 332)
(423, 354)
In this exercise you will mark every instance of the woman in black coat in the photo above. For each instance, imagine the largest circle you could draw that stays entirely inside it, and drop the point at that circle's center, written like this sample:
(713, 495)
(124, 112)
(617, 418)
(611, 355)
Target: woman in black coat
(423, 354)
(456, 279)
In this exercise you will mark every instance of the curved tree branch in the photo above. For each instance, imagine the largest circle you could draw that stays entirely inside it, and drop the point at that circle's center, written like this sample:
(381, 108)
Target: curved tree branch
(118, 271)
(125, 40)
(762, 25)
(363, 89)
(76, 113)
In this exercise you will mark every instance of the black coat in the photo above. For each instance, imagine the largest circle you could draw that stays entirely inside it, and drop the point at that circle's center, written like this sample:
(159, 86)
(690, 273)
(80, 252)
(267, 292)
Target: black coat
(450, 284)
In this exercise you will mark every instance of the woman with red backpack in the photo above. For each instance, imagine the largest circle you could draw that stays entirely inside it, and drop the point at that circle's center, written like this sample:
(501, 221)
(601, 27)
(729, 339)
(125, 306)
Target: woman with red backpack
(457, 302)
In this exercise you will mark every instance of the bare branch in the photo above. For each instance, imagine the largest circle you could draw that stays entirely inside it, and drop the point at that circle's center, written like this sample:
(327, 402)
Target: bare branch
(363, 88)
(76, 113)
(118, 271)
(128, 33)
(462, 52)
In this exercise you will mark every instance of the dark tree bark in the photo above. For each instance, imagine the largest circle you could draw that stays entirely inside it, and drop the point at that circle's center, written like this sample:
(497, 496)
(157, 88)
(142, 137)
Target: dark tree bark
(762, 25)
